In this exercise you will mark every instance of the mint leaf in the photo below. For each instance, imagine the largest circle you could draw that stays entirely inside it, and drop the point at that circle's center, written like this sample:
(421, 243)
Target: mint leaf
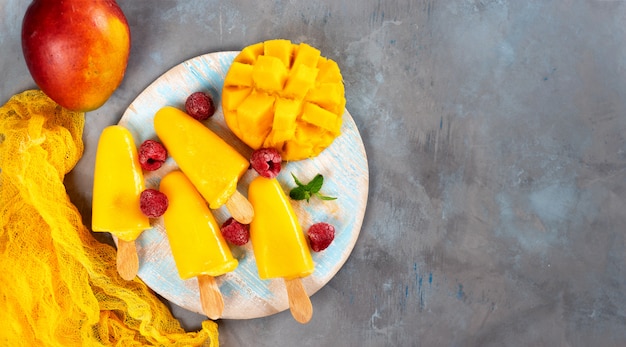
(296, 180)
(324, 197)
(298, 193)
(316, 183)
(306, 191)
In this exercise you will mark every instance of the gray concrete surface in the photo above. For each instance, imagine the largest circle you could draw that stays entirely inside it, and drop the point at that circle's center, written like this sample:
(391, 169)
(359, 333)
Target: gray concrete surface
(496, 136)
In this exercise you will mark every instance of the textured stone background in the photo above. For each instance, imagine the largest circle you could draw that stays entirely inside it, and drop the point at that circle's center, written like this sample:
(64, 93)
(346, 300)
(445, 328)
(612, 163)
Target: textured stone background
(495, 132)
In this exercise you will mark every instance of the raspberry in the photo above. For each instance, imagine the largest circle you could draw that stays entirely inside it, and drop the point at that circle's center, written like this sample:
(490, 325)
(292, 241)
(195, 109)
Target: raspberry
(153, 203)
(200, 105)
(321, 235)
(266, 161)
(152, 155)
(235, 232)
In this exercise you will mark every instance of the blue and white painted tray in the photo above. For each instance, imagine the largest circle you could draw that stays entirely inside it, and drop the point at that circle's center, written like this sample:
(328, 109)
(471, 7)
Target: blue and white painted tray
(346, 176)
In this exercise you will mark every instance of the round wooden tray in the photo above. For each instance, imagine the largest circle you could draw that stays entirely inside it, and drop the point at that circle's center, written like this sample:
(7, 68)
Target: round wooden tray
(346, 176)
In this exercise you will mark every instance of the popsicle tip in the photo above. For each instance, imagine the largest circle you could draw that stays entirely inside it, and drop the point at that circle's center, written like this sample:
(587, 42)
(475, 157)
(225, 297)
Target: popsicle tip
(240, 208)
(211, 298)
(127, 259)
(299, 302)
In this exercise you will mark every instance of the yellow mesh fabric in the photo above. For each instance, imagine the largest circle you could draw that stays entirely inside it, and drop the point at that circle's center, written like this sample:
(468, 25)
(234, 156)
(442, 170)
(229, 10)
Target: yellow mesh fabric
(58, 285)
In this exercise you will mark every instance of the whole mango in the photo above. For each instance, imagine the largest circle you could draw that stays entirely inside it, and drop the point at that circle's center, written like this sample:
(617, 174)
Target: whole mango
(76, 50)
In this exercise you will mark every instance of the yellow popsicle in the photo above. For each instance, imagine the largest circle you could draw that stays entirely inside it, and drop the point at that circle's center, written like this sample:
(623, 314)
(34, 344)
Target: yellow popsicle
(211, 164)
(118, 183)
(278, 242)
(279, 245)
(197, 244)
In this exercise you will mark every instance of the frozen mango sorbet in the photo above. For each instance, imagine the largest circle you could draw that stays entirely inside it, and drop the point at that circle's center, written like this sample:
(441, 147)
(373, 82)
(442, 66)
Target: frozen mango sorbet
(117, 186)
(286, 96)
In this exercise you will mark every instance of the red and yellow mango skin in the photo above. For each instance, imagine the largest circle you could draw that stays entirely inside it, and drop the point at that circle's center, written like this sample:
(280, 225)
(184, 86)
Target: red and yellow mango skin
(76, 50)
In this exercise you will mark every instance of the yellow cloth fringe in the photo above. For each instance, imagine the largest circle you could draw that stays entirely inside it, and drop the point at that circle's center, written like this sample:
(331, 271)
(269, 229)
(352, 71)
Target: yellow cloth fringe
(59, 285)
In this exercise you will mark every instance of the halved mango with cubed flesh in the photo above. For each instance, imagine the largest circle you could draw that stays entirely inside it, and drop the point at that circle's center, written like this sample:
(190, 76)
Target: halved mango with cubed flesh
(286, 96)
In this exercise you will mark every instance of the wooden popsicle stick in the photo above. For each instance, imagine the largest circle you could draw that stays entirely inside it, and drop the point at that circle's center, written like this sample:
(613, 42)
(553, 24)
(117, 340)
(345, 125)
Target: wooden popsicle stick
(127, 259)
(210, 297)
(240, 208)
(299, 302)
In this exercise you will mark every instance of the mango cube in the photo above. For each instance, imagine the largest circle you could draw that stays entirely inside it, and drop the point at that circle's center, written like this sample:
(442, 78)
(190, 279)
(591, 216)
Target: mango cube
(286, 112)
(306, 55)
(300, 81)
(235, 96)
(280, 49)
(284, 126)
(249, 54)
(327, 95)
(255, 118)
(269, 74)
(313, 114)
(239, 75)
(328, 71)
